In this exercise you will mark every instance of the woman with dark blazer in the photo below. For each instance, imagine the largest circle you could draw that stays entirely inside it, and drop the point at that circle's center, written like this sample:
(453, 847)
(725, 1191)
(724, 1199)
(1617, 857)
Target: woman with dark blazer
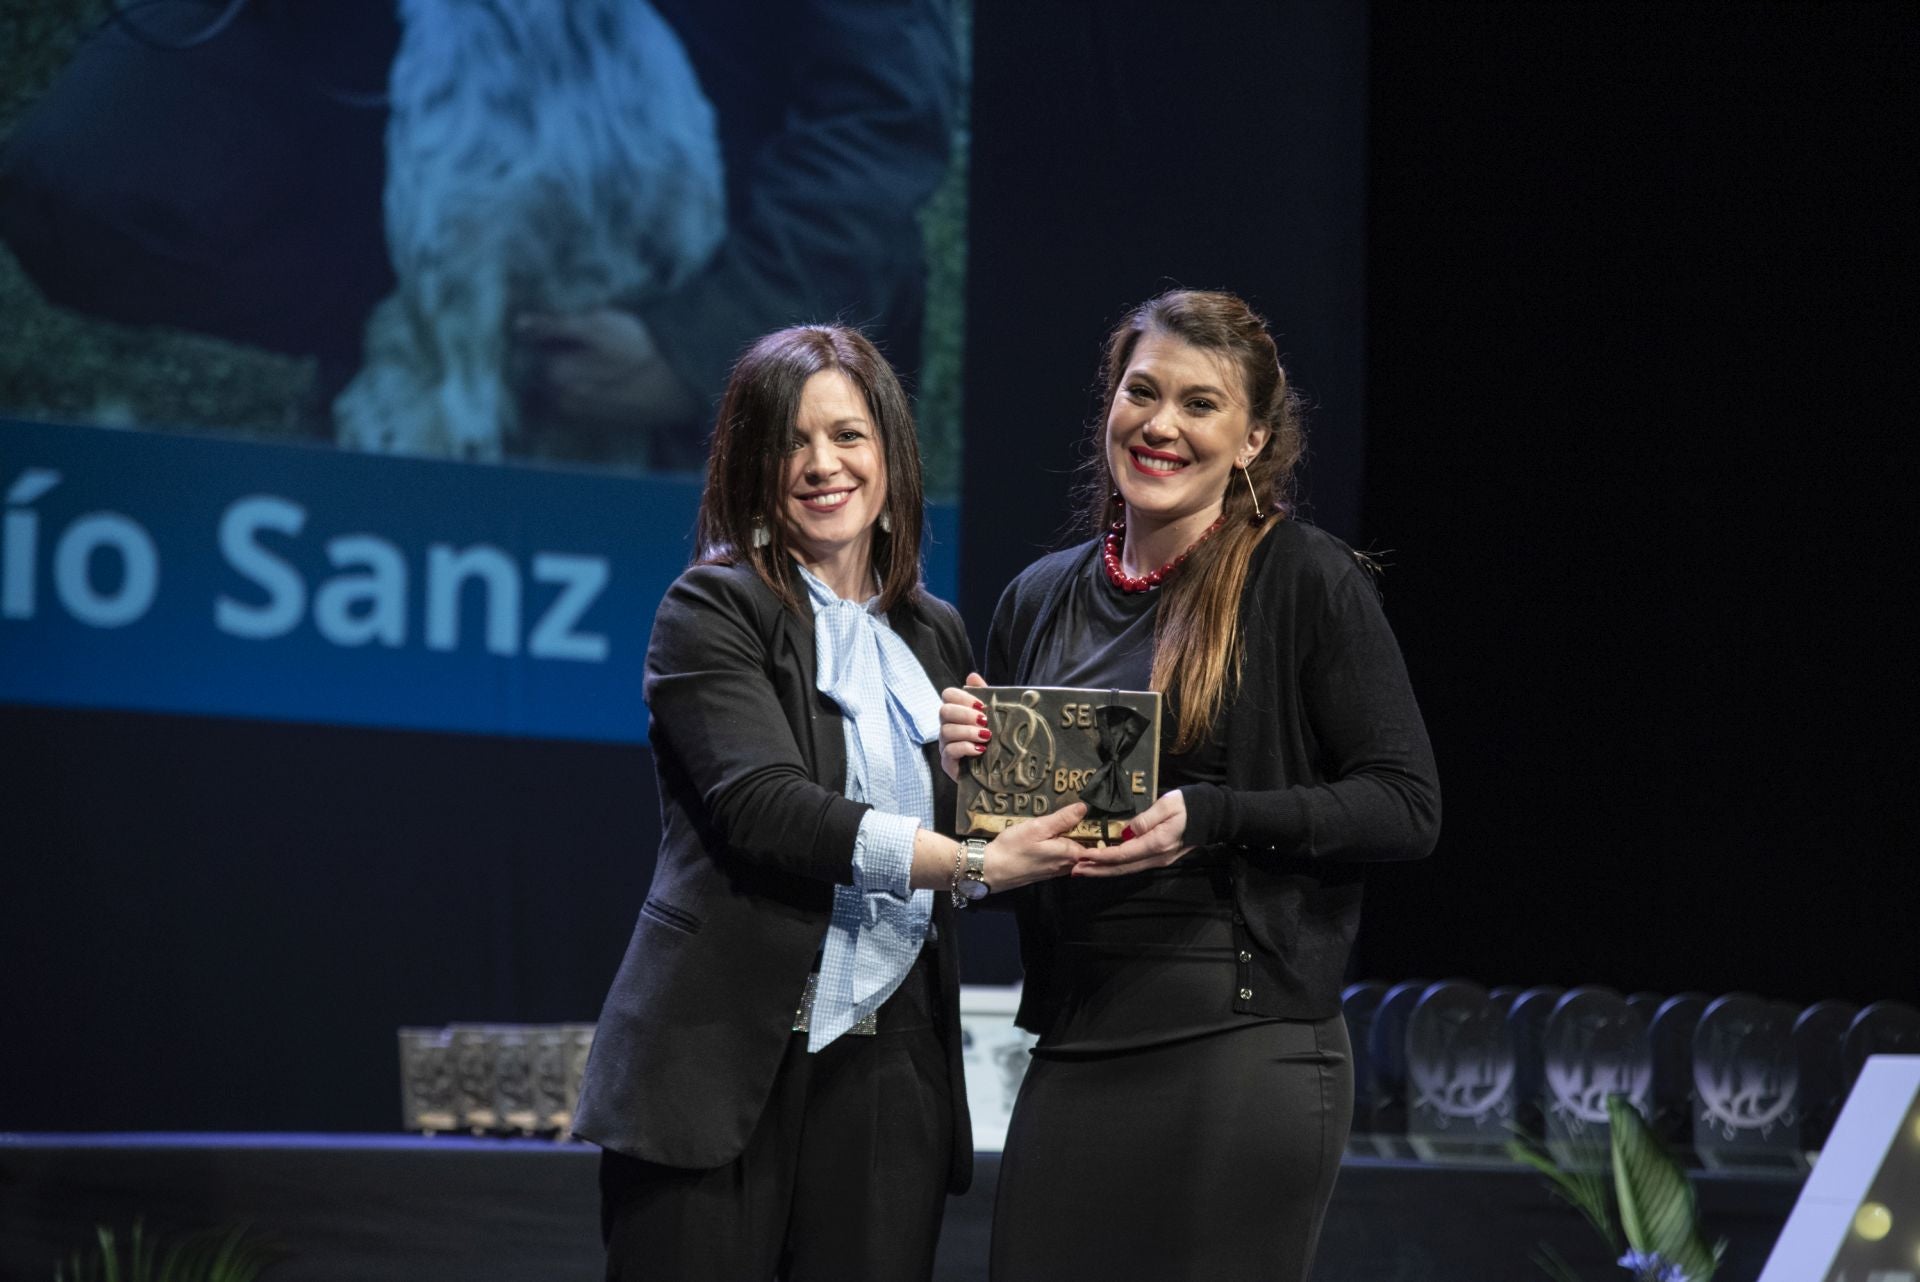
(775, 1078)
(1189, 1097)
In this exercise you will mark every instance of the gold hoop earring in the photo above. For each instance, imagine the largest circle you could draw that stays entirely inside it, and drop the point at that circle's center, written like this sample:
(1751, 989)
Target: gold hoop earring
(1258, 515)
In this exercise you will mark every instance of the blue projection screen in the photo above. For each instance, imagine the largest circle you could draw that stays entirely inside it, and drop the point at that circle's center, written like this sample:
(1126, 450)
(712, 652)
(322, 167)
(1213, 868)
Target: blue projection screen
(180, 574)
(359, 359)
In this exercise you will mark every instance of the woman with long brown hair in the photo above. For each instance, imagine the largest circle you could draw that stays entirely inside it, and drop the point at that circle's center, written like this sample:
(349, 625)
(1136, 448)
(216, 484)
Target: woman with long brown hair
(1190, 1094)
(775, 1078)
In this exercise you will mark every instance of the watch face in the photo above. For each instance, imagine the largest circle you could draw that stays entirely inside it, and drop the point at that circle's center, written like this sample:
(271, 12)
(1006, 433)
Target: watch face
(974, 889)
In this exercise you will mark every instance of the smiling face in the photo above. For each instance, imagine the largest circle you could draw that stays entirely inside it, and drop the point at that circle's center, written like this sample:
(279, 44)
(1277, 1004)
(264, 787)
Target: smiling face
(835, 483)
(1178, 425)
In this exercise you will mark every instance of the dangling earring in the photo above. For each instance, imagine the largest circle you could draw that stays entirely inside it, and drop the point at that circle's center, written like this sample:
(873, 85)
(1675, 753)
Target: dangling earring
(1118, 506)
(761, 534)
(886, 521)
(1258, 515)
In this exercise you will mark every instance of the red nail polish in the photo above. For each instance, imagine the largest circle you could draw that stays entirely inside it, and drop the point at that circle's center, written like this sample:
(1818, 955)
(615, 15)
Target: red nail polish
(1126, 833)
(985, 735)
(979, 706)
(981, 720)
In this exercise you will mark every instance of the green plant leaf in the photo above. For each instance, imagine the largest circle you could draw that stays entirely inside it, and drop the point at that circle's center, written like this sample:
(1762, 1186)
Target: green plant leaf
(236, 1260)
(109, 1253)
(140, 1254)
(1550, 1263)
(1585, 1191)
(212, 1255)
(1656, 1201)
(179, 1262)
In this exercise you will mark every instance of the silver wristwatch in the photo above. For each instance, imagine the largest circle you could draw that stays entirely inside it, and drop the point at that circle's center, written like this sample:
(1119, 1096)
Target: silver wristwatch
(974, 885)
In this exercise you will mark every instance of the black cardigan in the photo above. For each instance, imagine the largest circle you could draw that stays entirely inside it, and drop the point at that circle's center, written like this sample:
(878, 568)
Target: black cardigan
(1328, 764)
(751, 760)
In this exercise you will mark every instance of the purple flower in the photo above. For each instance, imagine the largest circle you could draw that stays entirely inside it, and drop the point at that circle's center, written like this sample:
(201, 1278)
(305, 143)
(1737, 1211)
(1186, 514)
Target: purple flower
(1652, 1267)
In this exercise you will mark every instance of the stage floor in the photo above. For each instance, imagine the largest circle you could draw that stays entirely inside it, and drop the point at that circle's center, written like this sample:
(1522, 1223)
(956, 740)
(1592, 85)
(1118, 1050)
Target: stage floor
(361, 1208)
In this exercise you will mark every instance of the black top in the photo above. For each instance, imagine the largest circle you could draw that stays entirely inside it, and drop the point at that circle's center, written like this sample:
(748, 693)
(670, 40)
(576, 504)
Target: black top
(1146, 958)
(1326, 764)
(1101, 638)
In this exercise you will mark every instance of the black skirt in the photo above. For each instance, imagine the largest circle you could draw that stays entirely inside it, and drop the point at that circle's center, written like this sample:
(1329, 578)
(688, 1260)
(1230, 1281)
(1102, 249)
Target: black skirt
(1211, 1157)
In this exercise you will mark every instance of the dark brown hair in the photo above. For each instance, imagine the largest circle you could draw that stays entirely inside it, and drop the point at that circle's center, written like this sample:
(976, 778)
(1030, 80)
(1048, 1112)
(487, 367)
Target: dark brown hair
(747, 461)
(1197, 647)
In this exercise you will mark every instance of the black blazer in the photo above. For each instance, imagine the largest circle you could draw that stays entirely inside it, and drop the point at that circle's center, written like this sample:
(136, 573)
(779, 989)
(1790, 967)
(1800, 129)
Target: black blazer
(751, 760)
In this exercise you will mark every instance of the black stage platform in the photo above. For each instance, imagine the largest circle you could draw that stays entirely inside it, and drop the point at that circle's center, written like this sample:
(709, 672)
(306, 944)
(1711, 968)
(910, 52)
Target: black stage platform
(402, 1209)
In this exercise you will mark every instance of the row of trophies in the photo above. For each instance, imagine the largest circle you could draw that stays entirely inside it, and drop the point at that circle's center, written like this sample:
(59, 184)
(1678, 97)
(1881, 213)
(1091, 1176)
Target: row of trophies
(1442, 1070)
(492, 1079)
(1452, 1070)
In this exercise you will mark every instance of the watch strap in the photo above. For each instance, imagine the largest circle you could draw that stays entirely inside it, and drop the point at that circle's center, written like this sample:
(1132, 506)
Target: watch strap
(975, 886)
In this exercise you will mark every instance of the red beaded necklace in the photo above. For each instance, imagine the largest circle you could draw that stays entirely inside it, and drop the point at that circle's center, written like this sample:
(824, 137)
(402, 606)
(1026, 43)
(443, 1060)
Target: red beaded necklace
(1110, 557)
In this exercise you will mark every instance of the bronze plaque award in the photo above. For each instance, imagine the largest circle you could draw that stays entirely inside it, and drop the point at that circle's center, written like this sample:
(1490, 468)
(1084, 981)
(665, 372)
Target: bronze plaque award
(1052, 747)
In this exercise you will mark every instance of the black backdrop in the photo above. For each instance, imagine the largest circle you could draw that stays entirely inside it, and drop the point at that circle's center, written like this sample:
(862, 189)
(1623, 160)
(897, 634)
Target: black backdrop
(1624, 296)
(219, 924)
(1641, 317)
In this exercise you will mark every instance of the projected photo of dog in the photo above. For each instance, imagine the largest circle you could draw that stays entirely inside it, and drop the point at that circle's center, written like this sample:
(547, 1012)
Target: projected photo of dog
(540, 157)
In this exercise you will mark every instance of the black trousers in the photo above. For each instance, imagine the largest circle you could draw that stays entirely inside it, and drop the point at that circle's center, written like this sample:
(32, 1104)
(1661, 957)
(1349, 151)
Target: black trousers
(843, 1179)
(1211, 1158)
